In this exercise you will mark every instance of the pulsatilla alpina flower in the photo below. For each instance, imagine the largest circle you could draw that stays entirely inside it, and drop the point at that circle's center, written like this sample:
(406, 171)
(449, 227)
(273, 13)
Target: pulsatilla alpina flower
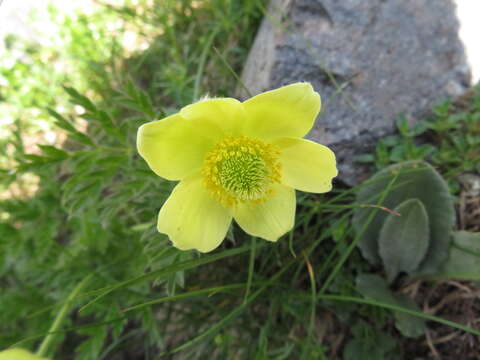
(237, 160)
(19, 354)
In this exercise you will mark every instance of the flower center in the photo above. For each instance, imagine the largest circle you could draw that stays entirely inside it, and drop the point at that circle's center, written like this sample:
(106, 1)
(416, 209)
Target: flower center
(241, 169)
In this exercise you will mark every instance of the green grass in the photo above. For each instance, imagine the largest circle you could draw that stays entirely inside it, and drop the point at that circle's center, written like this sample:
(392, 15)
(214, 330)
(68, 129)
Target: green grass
(93, 215)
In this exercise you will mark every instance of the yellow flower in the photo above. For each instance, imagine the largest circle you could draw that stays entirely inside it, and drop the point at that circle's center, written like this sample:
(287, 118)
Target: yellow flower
(18, 354)
(237, 160)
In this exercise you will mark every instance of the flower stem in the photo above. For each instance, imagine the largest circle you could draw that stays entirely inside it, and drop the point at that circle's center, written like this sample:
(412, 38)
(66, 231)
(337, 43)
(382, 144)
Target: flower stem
(250, 268)
(42, 350)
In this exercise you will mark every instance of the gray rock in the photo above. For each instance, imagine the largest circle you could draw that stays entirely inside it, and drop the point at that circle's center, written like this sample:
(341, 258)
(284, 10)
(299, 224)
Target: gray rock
(371, 60)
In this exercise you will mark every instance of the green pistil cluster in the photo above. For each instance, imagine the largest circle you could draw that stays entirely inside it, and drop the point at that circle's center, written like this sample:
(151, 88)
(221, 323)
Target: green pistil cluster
(241, 169)
(243, 175)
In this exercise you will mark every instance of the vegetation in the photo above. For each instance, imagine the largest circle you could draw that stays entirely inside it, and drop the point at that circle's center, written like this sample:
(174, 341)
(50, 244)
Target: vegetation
(84, 273)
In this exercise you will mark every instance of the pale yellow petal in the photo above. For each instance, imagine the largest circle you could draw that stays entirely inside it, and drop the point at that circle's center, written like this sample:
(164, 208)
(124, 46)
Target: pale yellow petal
(192, 218)
(19, 354)
(225, 115)
(271, 218)
(174, 147)
(287, 111)
(306, 165)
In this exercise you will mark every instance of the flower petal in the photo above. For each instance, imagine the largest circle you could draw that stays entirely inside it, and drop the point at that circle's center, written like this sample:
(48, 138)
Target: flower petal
(306, 165)
(271, 218)
(226, 115)
(19, 354)
(287, 111)
(174, 147)
(192, 218)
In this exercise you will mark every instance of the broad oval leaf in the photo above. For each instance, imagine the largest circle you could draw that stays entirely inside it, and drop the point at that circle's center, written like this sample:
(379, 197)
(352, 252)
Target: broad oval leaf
(403, 240)
(413, 179)
(464, 259)
(374, 287)
(408, 324)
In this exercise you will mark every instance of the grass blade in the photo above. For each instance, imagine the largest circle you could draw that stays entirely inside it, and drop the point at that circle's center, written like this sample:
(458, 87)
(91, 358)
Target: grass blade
(190, 264)
(401, 309)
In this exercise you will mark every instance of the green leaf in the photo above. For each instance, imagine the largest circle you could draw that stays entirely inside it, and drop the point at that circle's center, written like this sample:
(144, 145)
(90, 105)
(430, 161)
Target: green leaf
(364, 158)
(408, 324)
(137, 99)
(61, 121)
(79, 99)
(81, 138)
(105, 121)
(53, 152)
(369, 344)
(376, 288)
(68, 126)
(464, 259)
(415, 180)
(403, 240)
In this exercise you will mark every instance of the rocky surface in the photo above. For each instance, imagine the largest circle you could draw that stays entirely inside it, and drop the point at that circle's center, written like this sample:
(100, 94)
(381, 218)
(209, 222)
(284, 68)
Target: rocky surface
(371, 61)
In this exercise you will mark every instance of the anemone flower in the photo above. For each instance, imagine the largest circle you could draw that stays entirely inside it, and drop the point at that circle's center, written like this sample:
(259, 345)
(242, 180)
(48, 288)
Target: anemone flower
(237, 160)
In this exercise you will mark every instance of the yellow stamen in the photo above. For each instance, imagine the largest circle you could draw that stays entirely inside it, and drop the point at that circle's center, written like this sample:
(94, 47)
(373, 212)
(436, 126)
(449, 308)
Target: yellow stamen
(241, 169)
